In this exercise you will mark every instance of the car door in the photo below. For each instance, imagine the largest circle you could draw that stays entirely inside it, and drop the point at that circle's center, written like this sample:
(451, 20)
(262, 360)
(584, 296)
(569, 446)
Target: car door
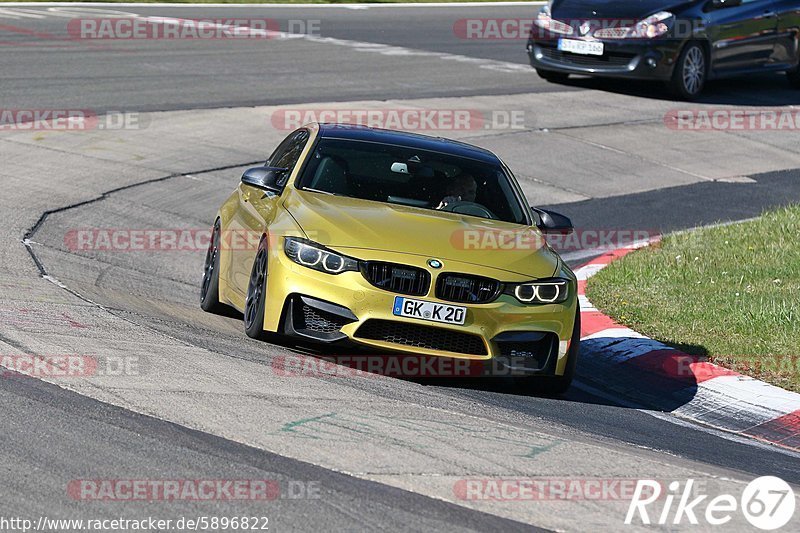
(257, 208)
(743, 33)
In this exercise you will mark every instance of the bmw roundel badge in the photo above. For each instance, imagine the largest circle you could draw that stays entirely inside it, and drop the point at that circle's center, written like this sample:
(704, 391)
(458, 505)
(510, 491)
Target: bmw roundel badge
(434, 263)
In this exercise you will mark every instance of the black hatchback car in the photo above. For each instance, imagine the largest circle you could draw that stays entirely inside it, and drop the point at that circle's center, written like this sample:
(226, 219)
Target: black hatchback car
(683, 43)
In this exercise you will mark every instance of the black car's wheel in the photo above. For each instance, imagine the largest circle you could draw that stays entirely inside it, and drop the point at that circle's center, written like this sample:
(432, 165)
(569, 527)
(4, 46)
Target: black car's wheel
(256, 294)
(552, 76)
(209, 288)
(691, 71)
(794, 77)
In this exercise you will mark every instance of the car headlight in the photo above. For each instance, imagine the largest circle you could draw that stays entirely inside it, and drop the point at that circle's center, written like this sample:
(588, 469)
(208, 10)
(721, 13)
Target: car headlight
(313, 255)
(544, 291)
(545, 21)
(653, 26)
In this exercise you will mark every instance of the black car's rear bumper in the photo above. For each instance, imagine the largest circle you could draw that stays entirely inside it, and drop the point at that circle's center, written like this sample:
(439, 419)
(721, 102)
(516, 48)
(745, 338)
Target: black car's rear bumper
(630, 59)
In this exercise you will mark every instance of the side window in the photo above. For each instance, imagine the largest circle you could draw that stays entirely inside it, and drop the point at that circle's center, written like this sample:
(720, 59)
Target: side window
(287, 154)
(281, 149)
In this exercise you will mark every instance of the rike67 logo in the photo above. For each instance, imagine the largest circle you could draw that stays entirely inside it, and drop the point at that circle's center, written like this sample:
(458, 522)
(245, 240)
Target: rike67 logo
(767, 503)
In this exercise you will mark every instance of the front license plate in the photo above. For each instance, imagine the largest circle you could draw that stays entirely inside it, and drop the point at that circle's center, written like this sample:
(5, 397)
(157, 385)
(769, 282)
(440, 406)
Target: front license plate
(448, 314)
(592, 48)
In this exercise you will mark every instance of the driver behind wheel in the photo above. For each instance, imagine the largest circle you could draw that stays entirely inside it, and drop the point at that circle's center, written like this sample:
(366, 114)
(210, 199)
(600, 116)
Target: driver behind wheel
(461, 188)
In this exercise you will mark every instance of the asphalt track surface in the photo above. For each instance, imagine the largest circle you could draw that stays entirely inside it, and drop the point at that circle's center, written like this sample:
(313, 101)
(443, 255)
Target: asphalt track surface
(166, 75)
(391, 448)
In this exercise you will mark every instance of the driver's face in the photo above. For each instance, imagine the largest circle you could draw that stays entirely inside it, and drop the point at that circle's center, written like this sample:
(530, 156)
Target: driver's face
(467, 189)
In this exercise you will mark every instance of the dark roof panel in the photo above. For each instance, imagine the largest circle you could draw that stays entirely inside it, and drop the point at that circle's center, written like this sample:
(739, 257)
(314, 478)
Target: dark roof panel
(402, 138)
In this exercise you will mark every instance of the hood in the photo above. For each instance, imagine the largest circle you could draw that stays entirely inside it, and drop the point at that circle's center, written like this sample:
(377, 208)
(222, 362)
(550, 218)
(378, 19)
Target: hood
(340, 223)
(612, 9)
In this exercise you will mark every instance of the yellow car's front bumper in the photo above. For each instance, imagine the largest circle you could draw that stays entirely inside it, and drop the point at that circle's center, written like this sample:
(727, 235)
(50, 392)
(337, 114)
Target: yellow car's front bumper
(485, 335)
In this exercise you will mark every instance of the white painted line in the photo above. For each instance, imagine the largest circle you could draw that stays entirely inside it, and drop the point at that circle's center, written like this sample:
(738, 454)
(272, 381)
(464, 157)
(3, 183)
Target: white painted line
(385, 49)
(756, 393)
(736, 179)
(720, 432)
(673, 419)
(585, 304)
(586, 272)
(717, 225)
(359, 46)
(641, 244)
(583, 254)
(21, 13)
(726, 410)
(615, 333)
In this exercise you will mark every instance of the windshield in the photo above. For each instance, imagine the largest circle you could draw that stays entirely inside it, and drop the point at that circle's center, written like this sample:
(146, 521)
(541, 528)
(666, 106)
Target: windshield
(412, 177)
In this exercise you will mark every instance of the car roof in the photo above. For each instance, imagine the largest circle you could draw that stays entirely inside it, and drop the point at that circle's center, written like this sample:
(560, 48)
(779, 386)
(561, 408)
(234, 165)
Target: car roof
(406, 139)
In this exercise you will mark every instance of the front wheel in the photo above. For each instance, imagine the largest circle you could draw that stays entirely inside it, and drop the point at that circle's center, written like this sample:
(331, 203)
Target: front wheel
(552, 76)
(794, 78)
(209, 289)
(691, 71)
(256, 295)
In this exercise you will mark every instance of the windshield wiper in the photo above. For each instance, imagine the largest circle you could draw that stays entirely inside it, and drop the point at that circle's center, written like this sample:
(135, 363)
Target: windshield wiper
(321, 192)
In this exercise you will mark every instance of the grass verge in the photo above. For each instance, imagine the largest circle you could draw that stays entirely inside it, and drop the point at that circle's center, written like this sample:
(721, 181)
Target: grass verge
(731, 293)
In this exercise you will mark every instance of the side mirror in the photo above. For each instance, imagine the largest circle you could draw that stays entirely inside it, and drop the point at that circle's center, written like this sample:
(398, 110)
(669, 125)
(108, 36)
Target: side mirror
(720, 4)
(267, 178)
(552, 222)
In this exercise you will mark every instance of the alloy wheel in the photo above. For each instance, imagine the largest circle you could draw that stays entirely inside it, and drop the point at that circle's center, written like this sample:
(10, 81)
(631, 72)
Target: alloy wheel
(694, 66)
(209, 270)
(255, 289)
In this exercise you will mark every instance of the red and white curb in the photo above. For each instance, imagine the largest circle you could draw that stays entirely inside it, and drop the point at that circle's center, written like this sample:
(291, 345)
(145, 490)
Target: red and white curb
(656, 375)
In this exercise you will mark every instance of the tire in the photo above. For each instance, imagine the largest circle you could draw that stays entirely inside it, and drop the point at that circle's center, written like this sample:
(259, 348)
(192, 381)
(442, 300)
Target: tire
(552, 76)
(690, 73)
(256, 294)
(794, 78)
(209, 287)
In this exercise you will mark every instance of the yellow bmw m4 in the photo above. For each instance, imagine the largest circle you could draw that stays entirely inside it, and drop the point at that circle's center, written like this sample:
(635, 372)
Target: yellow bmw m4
(400, 242)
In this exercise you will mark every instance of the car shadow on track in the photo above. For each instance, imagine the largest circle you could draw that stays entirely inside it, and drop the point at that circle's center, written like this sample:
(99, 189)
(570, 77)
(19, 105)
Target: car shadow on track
(643, 373)
(663, 379)
(765, 90)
